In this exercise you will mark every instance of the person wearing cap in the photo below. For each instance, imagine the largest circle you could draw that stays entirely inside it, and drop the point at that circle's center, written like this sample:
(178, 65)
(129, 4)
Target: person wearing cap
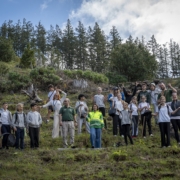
(166, 92)
(154, 95)
(82, 110)
(145, 93)
(128, 94)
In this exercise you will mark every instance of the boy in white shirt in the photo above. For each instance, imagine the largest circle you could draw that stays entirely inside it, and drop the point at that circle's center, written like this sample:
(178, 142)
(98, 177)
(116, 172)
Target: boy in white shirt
(34, 121)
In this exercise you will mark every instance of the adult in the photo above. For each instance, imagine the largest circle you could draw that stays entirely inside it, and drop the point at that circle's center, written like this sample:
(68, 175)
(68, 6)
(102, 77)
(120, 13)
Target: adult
(82, 110)
(110, 95)
(68, 123)
(56, 104)
(166, 92)
(145, 93)
(175, 118)
(5, 123)
(100, 101)
(128, 94)
(118, 105)
(95, 119)
(154, 92)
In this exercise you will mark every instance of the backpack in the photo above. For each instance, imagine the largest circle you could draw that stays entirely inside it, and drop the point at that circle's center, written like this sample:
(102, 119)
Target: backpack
(16, 117)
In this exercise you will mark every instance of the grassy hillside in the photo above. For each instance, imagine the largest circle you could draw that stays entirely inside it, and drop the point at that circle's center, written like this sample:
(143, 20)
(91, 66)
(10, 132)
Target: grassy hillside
(144, 160)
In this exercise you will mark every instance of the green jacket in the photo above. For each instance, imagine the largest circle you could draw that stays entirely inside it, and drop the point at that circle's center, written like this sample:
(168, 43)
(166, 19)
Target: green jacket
(95, 118)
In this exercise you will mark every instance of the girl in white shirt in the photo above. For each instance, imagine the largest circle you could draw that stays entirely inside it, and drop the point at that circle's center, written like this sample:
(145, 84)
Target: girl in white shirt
(142, 107)
(56, 103)
(133, 107)
(164, 111)
(118, 104)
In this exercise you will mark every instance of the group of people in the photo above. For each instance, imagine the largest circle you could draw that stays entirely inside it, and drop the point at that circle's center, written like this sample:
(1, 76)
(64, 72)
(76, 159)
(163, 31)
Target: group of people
(128, 107)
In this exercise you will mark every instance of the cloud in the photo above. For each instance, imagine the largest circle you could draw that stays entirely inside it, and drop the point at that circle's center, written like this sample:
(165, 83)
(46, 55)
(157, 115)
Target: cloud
(136, 17)
(45, 5)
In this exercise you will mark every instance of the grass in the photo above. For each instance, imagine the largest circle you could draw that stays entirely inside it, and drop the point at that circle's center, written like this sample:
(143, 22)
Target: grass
(144, 160)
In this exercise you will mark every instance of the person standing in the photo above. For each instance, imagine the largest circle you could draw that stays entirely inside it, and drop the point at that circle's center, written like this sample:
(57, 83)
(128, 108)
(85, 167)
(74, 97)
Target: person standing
(110, 95)
(154, 92)
(6, 123)
(19, 125)
(68, 123)
(56, 104)
(145, 93)
(166, 92)
(118, 105)
(175, 118)
(133, 107)
(95, 119)
(34, 122)
(125, 123)
(81, 109)
(164, 112)
(128, 94)
(100, 101)
(145, 118)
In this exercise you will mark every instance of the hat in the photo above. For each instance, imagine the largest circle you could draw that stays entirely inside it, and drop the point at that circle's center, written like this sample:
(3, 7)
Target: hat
(153, 84)
(115, 88)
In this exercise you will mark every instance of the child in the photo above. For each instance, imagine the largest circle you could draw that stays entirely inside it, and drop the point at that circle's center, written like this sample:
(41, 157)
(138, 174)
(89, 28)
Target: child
(145, 118)
(125, 122)
(51, 94)
(81, 109)
(95, 119)
(99, 100)
(19, 123)
(34, 121)
(5, 123)
(164, 111)
(134, 113)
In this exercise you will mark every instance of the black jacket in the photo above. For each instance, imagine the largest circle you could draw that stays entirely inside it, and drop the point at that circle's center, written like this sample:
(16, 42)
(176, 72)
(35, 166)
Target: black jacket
(129, 97)
(174, 106)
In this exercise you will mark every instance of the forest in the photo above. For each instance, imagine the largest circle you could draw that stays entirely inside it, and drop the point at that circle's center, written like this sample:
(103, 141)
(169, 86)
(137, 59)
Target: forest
(88, 48)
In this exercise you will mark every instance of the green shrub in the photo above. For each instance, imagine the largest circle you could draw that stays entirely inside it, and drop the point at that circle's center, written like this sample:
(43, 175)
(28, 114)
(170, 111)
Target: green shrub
(18, 81)
(44, 76)
(115, 78)
(3, 69)
(119, 155)
(88, 75)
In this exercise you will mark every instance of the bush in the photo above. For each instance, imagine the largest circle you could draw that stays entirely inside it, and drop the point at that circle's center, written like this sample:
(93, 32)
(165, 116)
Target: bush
(44, 76)
(18, 81)
(3, 69)
(87, 75)
(115, 78)
(119, 156)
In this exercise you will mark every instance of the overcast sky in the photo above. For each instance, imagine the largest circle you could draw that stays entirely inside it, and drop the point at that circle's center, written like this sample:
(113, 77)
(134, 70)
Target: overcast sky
(136, 17)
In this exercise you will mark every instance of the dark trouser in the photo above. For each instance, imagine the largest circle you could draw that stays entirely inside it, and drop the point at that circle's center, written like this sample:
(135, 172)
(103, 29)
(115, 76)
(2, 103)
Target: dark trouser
(116, 123)
(5, 129)
(144, 120)
(176, 127)
(34, 137)
(135, 124)
(126, 128)
(19, 138)
(165, 130)
(103, 111)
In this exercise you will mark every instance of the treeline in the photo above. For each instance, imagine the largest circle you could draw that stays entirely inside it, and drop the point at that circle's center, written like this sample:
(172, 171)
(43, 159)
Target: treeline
(91, 49)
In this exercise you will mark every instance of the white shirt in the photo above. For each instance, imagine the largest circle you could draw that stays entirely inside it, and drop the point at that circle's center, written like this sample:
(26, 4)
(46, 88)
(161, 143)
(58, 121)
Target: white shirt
(5, 117)
(163, 114)
(51, 95)
(99, 100)
(81, 109)
(133, 108)
(34, 119)
(118, 105)
(56, 104)
(143, 104)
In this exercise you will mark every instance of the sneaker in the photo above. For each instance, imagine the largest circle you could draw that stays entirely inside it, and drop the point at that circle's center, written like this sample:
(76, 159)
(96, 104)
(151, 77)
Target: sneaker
(168, 146)
(151, 135)
(73, 146)
(144, 137)
(115, 135)
(163, 147)
(122, 136)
